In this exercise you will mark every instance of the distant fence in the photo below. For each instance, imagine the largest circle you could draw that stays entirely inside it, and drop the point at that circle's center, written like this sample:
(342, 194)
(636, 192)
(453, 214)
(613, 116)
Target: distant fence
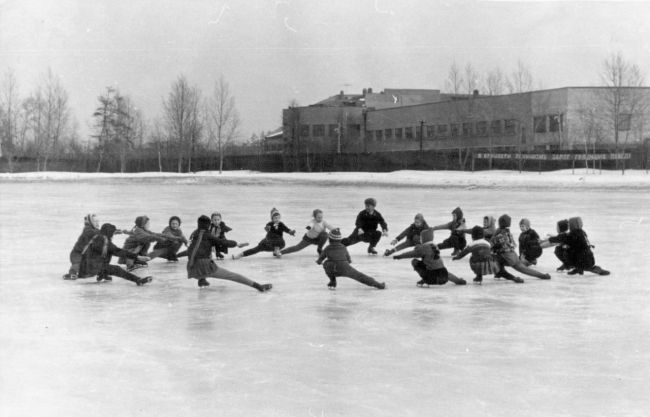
(557, 157)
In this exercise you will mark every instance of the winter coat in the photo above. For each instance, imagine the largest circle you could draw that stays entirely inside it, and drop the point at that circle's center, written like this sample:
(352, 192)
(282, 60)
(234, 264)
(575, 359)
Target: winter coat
(429, 253)
(202, 243)
(502, 241)
(579, 251)
(88, 232)
(529, 244)
(482, 261)
(369, 222)
(98, 253)
(335, 252)
(412, 233)
(139, 241)
(219, 230)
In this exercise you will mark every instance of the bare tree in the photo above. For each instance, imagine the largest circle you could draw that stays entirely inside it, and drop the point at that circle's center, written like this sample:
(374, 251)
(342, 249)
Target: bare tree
(454, 82)
(224, 117)
(181, 114)
(495, 82)
(472, 79)
(521, 79)
(10, 112)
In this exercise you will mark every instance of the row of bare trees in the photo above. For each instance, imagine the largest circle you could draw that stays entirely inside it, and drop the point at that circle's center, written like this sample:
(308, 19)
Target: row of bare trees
(494, 82)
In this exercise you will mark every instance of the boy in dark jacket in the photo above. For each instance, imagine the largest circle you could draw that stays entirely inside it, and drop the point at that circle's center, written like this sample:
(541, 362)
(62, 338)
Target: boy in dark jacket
(168, 249)
(97, 254)
(580, 256)
(503, 247)
(201, 267)
(365, 229)
(456, 239)
(529, 244)
(273, 241)
(430, 266)
(411, 233)
(336, 263)
(561, 249)
(91, 228)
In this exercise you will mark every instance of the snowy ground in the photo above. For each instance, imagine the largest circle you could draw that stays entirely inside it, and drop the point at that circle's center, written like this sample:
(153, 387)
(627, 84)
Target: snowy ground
(572, 346)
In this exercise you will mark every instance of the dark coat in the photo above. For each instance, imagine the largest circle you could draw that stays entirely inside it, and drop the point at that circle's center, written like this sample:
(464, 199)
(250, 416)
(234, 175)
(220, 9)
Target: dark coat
(429, 253)
(88, 232)
(202, 243)
(219, 230)
(502, 241)
(412, 233)
(579, 251)
(98, 254)
(369, 222)
(336, 252)
(529, 245)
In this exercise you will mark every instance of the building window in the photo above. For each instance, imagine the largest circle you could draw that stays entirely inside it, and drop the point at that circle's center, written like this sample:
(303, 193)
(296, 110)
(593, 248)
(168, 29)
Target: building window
(467, 129)
(624, 122)
(539, 123)
(509, 126)
(333, 131)
(431, 131)
(495, 127)
(442, 130)
(304, 130)
(454, 129)
(319, 131)
(388, 133)
(408, 132)
(481, 128)
(398, 133)
(555, 123)
(379, 134)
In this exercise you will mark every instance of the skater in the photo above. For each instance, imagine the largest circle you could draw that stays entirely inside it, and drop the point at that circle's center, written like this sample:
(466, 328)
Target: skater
(219, 229)
(456, 239)
(316, 234)
(366, 227)
(503, 247)
(168, 249)
(529, 244)
(561, 249)
(91, 228)
(430, 267)
(139, 240)
(580, 256)
(482, 261)
(489, 227)
(336, 260)
(273, 241)
(411, 233)
(201, 267)
(97, 254)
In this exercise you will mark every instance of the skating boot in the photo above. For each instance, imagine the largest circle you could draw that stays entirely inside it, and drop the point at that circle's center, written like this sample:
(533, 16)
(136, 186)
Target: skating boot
(141, 281)
(381, 286)
(546, 276)
(371, 250)
(575, 271)
(237, 256)
(461, 282)
(478, 280)
(242, 244)
(332, 284)
(70, 277)
(262, 287)
(203, 283)
(276, 252)
(562, 267)
(422, 283)
(389, 252)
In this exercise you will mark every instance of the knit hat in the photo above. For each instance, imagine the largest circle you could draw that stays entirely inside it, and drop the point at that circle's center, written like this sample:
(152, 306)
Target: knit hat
(504, 221)
(274, 212)
(370, 202)
(524, 222)
(203, 222)
(426, 237)
(140, 221)
(575, 223)
(88, 220)
(316, 212)
(172, 218)
(107, 230)
(458, 212)
(477, 233)
(419, 217)
(562, 226)
(335, 234)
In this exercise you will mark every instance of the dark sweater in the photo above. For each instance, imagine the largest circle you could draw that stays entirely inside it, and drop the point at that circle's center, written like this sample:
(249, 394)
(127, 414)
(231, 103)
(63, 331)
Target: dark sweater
(274, 231)
(369, 222)
(203, 242)
(87, 233)
(99, 253)
(502, 241)
(336, 252)
(579, 248)
(412, 233)
(529, 243)
(429, 253)
(219, 230)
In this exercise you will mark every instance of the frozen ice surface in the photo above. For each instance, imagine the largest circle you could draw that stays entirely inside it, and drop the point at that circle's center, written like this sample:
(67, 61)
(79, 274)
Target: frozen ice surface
(572, 346)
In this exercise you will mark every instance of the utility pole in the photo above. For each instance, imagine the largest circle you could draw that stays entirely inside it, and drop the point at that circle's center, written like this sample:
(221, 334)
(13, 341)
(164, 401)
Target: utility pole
(338, 142)
(421, 134)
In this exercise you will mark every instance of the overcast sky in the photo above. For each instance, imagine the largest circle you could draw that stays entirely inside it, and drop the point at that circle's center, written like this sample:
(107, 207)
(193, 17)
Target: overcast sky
(272, 52)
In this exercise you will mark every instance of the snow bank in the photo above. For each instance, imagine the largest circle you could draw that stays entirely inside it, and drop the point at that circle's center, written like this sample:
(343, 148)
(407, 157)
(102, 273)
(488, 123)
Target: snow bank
(581, 179)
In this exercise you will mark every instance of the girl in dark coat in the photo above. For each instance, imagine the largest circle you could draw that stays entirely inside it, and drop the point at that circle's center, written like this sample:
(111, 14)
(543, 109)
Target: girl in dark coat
(503, 247)
(168, 249)
(580, 256)
(411, 233)
(91, 228)
(201, 267)
(365, 227)
(529, 244)
(429, 267)
(482, 261)
(456, 239)
(336, 260)
(273, 241)
(97, 254)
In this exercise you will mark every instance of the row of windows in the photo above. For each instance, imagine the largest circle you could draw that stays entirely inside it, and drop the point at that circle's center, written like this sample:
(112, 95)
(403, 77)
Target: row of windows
(548, 123)
(482, 128)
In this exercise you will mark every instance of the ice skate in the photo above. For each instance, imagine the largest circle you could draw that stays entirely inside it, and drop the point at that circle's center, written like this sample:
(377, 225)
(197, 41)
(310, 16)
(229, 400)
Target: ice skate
(389, 252)
(70, 277)
(381, 286)
(478, 280)
(242, 244)
(332, 284)
(141, 281)
(562, 268)
(422, 283)
(277, 253)
(460, 282)
(516, 280)
(598, 270)
(575, 271)
(263, 287)
(136, 266)
(372, 251)
(203, 283)
(237, 256)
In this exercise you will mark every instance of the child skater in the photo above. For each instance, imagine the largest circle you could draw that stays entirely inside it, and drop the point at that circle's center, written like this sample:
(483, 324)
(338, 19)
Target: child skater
(91, 228)
(366, 227)
(273, 241)
(482, 262)
(503, 247)
(580, 256)
(489, 227)
(430, 266)
(456, 239)
(97, 254)
(336, 260)
(219, 229)
(168, 249)
(561, 249)
(201, 267)
(411, 233)
(139, 240)
(316, 234)
(529, 244)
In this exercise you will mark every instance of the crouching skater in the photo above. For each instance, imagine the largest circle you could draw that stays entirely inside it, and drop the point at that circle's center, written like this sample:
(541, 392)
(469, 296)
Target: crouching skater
(503, 247)
(139, 240)
(365, 227)
(482, 261)
(561, 249)
(411, 233)
(456, 239)
(273, 241)
(201, 267)
(579, 254)
(97, 254)
(316, 234)
(336, 260)
(168, 249)
(430, 267)
(91, 228)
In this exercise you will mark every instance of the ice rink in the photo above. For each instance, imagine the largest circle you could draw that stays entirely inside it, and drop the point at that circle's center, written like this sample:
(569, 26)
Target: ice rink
(571, 346)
